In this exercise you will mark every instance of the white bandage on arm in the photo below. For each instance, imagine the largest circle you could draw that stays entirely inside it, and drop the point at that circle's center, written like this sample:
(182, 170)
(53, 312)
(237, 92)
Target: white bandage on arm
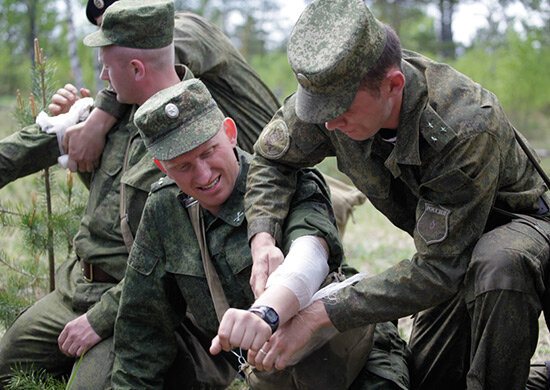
(304, 269)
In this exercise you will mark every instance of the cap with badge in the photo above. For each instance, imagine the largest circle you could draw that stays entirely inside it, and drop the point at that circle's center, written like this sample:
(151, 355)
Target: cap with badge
(332, 46)
(178, 119)
(96, 8)
(139, 24)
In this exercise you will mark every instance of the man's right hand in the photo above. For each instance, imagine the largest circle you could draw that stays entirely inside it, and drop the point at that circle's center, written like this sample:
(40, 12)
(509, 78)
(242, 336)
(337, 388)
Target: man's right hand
(77, 336)
(266, 257)
(64, 98)
(84, 142)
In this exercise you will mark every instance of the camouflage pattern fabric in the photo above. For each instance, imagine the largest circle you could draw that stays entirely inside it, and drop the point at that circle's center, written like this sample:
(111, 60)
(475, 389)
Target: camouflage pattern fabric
(454, 158)
(165, 275)
(234, 85)
(138, 24)
(329, 71)
(99, 241)
(178, 119)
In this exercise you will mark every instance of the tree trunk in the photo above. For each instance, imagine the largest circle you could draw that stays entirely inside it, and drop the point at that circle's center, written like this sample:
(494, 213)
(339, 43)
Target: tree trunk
(73, 53)
(446, 9)
(31, 9)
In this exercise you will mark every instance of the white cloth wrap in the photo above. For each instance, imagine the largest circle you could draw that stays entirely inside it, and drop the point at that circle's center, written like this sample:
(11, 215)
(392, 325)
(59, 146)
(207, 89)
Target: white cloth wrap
(303, 270)
(58, 124)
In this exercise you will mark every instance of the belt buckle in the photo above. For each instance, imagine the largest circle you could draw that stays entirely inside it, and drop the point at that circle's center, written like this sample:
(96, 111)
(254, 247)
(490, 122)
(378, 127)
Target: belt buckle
(91, 278)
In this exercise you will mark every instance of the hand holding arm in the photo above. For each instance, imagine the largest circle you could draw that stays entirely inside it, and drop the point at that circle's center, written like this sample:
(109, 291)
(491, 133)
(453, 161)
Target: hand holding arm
(290, 338)
(77, 336)
(266, 257)
(84, 141)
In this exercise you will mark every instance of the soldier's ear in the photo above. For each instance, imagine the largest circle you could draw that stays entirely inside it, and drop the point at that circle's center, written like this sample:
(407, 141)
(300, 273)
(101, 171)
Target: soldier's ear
(138, 69)
(231, 130)
(396, 82)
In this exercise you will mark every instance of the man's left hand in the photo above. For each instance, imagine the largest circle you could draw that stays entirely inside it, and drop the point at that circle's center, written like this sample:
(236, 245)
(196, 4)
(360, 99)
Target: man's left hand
(266, 257)
(290, 338)
(77, 336)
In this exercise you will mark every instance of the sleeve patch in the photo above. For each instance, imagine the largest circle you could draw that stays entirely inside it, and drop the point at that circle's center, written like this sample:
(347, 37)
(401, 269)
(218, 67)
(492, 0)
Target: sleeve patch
(274, 140)
(433, 224)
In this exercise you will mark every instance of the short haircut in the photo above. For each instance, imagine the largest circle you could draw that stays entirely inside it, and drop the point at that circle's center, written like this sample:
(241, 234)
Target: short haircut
(390, 57)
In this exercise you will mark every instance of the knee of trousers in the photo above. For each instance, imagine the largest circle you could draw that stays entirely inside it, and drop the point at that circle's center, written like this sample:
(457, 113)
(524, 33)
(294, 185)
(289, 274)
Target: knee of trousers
(497, 265)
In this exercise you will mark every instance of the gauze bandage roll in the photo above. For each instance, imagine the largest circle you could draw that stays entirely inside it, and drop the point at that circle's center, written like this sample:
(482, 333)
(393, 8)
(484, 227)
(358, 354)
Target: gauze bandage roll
(303, 270)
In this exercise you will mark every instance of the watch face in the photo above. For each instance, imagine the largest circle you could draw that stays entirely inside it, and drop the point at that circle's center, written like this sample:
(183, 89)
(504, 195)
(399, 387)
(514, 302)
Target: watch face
(271, 316)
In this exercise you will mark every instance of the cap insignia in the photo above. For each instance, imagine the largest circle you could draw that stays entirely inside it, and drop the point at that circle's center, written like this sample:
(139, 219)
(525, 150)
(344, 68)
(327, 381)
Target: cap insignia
(99, 4)
(171, 110)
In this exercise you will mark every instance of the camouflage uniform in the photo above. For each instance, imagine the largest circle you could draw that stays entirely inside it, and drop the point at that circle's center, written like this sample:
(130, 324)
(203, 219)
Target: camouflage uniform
(455, 159)
(167, 314)
(235, 86)
(99, 240)
(166, 278)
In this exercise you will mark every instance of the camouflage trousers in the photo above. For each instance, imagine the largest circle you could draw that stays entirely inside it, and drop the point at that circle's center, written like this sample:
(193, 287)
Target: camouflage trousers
(31, 341)
(385, 367)
(484, 337)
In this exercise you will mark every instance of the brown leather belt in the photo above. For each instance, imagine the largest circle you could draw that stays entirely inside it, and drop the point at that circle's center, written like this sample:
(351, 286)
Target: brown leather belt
(92, 273)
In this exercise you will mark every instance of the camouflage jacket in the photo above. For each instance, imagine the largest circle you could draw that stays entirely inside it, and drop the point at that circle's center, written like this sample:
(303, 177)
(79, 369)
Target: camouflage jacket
(234, 85)
(454, 158)
(99, 239)
(165, 274)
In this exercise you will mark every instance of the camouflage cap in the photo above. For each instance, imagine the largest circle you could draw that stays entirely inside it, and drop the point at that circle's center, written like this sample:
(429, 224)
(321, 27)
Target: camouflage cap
(139, 24)
(332, 46)
(96, 8)
(178, 119)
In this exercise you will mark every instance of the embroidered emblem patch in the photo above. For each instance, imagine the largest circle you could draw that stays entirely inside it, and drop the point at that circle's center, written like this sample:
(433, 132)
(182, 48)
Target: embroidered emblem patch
(433, 224)
(274, 140)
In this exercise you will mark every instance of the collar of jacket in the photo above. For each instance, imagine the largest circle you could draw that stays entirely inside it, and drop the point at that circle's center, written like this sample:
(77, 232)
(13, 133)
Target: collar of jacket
(415, 97)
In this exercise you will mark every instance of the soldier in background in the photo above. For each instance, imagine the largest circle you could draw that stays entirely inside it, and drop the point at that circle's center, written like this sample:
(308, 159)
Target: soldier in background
(435, 153)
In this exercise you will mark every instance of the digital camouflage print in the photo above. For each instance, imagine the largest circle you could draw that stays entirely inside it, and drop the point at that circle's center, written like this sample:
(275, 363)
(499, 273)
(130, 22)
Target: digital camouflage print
(165, 276)
(455, 157)
(178, 119)
(234, 84)
(329, 71)
(139, 24)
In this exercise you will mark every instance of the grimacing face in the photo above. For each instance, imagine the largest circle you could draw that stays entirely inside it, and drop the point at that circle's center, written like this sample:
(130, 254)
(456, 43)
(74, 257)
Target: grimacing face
(209, 172)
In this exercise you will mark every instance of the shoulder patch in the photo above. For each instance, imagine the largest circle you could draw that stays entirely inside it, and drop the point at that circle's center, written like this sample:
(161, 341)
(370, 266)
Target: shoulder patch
(274, 140)
(161, 183)
(433, 224)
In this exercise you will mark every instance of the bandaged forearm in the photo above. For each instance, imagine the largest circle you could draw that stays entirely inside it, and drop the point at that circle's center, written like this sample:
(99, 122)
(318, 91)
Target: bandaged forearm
(304, 269)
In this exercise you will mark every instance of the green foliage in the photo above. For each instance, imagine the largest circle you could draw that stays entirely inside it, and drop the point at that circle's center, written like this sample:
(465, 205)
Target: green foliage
(29, 379)
(10, 306)
(275, 71)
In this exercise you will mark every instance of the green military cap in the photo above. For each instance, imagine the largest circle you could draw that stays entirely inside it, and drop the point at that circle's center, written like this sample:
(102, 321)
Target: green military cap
(332, 46)
(139, 24)
(178, 119)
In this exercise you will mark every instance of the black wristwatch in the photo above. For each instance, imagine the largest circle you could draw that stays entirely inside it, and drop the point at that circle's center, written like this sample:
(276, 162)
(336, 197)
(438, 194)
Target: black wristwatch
(268, 315)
